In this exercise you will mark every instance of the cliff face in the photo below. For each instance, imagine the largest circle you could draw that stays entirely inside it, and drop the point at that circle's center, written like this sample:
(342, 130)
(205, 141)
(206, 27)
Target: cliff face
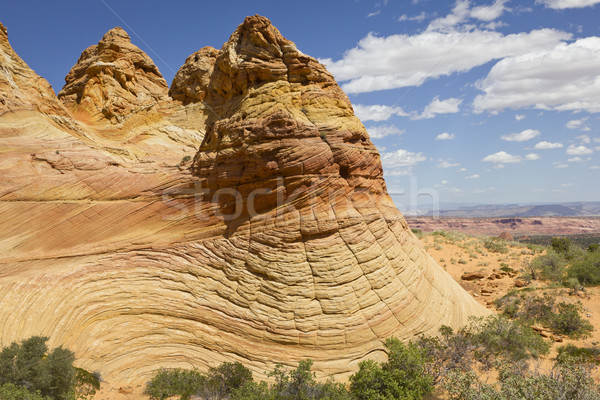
(276, 242)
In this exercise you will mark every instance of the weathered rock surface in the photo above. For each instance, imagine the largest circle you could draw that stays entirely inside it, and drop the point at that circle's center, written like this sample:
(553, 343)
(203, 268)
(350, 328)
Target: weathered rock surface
(279, 243)
(192, 80)
(112, 80)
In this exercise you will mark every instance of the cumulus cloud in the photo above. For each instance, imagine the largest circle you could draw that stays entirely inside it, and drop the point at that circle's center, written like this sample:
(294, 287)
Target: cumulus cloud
(377, 112)
(520, 117)
(562, 4)
(445, 136)
(548, 145)
(523, 136)
(501, 158)
(532, 157)
(437, 106)
(463, 11)
(381, 131)
(575, 159)
(563, 77)
(581, 150)
(374, 13)
(578, 124)
(474, 176)
(400, 162)
(379, 63)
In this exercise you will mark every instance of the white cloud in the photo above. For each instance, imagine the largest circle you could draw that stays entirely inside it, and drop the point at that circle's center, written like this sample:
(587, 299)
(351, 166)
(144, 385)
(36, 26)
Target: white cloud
(564, 77)
(520, 117)
(575, 159)
(381, 131)
(595, 167)
(501, 158)
(445, 136)
(418, 18)
(562, 166)
(437, 106)
(400, 162)
(548, 145)
(562, 4)
(374, 13)
(474, 176)
(446, 164)
(585, 139)
(379, 63)
(574, 150)
(377, 112)
(462, 170)
(578, 124)
(532, 157)
(462, 12)
(523, 136)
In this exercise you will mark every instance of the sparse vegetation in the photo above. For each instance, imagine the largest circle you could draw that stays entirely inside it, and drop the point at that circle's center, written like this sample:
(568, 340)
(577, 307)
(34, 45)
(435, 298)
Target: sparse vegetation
(28, 370)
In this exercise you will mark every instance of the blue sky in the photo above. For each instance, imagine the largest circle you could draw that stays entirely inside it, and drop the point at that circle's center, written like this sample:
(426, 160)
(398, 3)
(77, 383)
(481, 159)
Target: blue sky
(490, 101)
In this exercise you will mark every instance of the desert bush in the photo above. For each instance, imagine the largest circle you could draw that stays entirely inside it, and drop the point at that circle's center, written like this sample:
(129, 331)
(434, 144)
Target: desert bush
(495, 245)
(8, 391)
(550, 266)
(568, 321)
(418, 233)
(498, 339)
(175, 382)
(566, 381)
(586, 269)
(300, 384)
(404, 376)
(561, 245)
(32, 366)
(578, 355)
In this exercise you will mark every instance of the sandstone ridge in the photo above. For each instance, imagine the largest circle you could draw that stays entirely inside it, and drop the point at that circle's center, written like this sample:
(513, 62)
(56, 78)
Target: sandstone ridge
(276, 242)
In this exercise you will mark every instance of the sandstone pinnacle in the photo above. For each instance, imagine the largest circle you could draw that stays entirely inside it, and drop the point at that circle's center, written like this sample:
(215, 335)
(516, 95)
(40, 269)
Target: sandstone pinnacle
(112, 80)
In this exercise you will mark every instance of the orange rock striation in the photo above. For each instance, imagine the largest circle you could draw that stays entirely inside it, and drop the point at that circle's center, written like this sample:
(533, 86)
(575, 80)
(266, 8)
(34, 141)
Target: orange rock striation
(276, 242)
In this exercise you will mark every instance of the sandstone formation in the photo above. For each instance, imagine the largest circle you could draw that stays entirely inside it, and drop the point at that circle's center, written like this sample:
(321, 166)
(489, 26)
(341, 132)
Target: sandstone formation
(113, 79)
(277, 242)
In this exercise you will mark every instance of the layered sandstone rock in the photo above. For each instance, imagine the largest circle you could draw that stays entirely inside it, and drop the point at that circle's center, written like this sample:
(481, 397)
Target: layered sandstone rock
(279, 243)
(112, 80)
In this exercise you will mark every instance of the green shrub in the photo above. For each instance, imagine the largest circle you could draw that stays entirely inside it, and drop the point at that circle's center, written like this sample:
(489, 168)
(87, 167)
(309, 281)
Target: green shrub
(568, 321)
(499, 339)
(566, 381)
(403, 376)
(495, 245)
(300, 384)
(594, 247)
(29, 364)
(561, 245)
(175, 382)
(579, 355)
(586, 269)
(8, 391)
(550, 266)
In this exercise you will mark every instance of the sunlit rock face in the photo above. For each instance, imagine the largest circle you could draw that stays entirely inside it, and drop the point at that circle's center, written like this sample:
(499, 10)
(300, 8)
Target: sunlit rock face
(274, 241)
